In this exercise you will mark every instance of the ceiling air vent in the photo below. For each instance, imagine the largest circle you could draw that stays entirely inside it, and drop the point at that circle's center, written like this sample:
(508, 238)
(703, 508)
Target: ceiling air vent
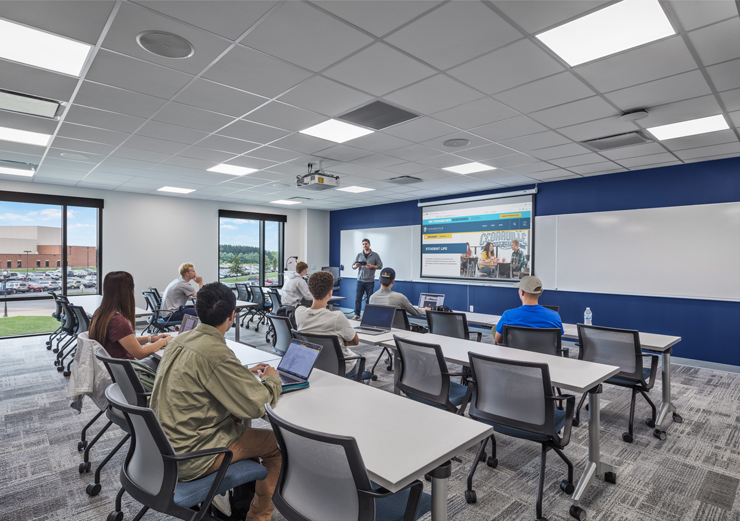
(617, 141)
(300, 199)
(405, 180)
(378, 115)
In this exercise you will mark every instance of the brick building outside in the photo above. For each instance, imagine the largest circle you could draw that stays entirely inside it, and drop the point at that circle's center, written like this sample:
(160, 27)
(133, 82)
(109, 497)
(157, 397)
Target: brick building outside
(44, 245)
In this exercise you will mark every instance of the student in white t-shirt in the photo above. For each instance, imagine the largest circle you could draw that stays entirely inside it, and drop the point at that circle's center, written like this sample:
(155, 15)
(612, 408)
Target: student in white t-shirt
(320, 321)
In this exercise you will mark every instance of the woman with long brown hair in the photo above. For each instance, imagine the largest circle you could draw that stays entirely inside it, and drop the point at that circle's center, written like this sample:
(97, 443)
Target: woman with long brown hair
(113, 322)
(487, 259)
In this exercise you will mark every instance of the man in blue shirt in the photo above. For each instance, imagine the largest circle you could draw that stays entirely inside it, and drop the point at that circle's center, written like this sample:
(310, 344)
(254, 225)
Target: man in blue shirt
(530, 314)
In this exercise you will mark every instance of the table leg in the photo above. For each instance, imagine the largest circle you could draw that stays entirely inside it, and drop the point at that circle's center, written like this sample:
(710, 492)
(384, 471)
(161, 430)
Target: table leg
(594, 467)
(236, 325)
(439, 491)
(666, 406)
(396, 371)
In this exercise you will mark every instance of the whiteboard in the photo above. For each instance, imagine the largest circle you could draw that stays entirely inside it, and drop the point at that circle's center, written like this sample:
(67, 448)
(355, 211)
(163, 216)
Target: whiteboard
(682, 251)
(398, 247)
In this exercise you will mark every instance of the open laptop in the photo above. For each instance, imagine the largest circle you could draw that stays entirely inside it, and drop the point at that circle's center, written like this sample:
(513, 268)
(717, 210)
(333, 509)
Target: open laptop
(297, 363)
(376, 320)
(431, 300)
(188, 322)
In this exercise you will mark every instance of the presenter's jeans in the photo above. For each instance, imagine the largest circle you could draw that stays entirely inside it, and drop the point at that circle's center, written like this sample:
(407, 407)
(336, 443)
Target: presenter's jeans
(363, 288)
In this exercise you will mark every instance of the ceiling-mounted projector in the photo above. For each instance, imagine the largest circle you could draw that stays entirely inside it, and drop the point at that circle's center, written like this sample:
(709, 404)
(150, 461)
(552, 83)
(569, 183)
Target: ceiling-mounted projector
(317, 179)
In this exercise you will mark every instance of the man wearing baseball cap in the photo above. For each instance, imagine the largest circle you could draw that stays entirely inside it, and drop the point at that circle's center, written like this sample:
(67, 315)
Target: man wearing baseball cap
(386, 297)
(530, 314)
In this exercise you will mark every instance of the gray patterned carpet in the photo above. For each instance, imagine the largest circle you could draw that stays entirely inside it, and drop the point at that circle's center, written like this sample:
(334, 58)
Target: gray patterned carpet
(693, 475)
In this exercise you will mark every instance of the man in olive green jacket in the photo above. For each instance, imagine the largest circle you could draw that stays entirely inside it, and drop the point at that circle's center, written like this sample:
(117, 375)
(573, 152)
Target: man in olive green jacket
(201, 392)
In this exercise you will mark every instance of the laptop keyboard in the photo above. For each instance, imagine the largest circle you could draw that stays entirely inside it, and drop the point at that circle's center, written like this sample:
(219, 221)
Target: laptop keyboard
(288, 380)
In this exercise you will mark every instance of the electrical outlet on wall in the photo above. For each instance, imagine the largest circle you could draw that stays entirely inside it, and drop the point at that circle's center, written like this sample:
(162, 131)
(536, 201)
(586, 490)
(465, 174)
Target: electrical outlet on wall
(471, 309)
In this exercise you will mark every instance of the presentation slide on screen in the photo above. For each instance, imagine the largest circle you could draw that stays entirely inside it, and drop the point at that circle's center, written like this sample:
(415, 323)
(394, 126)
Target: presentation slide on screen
(478, 239)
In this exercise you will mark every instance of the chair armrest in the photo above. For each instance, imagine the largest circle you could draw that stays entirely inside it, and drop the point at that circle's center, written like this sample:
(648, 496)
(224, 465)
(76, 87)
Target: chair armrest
(199, 454)
(570, 401)
(653, 368)
(416, 487)
(478, 335)
(565, 352)
(228, 455)
(455, 374)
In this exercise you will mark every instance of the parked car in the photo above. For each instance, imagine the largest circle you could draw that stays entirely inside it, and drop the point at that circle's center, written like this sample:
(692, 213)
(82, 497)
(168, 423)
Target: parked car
(74, 284)
(89, 283)
(35, 286)
(6, 291)
(19, 287)
(51, 286)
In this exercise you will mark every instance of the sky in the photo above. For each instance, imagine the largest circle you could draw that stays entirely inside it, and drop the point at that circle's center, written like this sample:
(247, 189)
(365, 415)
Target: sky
(243, 232)
(81, 222)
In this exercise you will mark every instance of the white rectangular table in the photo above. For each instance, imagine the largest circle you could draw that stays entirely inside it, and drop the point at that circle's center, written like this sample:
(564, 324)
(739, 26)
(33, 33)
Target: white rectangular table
(92, 302)
(246, 354)
(413, 438)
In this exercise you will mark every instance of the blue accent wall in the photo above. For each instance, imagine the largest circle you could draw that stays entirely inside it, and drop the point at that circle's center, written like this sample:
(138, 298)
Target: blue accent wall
(710, 330)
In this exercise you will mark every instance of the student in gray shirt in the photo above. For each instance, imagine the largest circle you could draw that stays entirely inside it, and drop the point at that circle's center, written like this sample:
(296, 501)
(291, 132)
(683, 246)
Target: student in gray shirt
(386, 297)
(367, 261)
(178, 291)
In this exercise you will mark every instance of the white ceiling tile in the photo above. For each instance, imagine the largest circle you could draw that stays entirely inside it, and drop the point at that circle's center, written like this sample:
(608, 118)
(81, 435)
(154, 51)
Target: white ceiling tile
(647, 63)
(545, 93)
(717, 43)
(253, 132)
(378, 70)
(510, 160)
(379, 142)
(531, 168)
(191, 117)
(536, 141)
(286, 117)
(575, 112)
(506, 178)
(205, 154)
(274, 76)
(407, 168)
(68, 165)
(193, 166)
(681, 111)
(36, 82)
(377, 161)
(139, 76)
(77, 145)
(433, 94)
(139, 155)
(659, 92)
(420, 130)
(302, 34)
(486, 152)
(366, 15)
(79, 20)
(273, 154)
(646, 149)
(655, 159)
(437, 143)
(227, 144)
(583, 159)
(535, 15)
(160, 130)
(136, 164)
(693, 14)
(546, 175)
(413, 152)
(303, 143)
(102, 119)
(344, 153)
(598, 129)
(593, 168)
(475, 113)
(325, 96)
(710, 158)
(155, 145)
(731, 99)
(509, 129)
(96, 135)
(702, 140)
(454, 33)
(117, 100)
(215, 97)
(30, 123)
(57, 153)
(725, 76)
(735, 116)
(514, 65)
(443, 161)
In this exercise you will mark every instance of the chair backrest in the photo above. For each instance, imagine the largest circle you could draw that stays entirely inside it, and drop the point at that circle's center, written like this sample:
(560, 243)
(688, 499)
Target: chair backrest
(58, 309)
(242, 292)
(540, 340)
(283, 336)
(277, 301)
(257, 296)
(122, 373)
(423, 372)
(70, 320)
(321, 475)
(554, 308)
(504, 269)
(83, 321)
(401, 320)
(151, 304)
(452, 324)
(611, 346)
(331, 358)
(513, 394)
(157, 296)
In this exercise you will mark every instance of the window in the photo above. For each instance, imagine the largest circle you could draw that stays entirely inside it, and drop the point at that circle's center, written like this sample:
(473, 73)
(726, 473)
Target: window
(59, 264)
(10, 265)
(20, 264)
(47, 263)
(251, 248)
(38, 264)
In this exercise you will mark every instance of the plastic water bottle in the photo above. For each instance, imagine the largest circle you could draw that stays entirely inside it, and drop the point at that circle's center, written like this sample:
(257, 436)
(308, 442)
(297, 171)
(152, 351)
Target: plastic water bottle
(587, 317)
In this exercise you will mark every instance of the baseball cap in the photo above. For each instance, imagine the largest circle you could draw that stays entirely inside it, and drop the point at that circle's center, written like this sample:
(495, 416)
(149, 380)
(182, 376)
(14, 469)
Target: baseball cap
(387, 276)
(530, 284)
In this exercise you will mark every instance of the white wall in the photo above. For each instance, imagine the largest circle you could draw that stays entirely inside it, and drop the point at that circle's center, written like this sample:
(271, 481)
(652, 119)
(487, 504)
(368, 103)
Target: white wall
(151, 235)
(315, 250)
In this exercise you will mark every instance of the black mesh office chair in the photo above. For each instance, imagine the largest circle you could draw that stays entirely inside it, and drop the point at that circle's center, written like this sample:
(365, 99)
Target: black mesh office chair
(620, 347)
(323, 477)
(83, 324)
(547, 341)
(516, 399)
(554, 308)
(281, 336)
(504, 270)
(332, 358)
(259, 311)
(157, 323)
(452, 324)
(157, 296)
(59, 315)
(150, 471)
(242, 291)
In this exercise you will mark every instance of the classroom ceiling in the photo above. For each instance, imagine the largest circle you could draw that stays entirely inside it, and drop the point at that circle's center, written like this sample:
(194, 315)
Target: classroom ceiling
(262, 71)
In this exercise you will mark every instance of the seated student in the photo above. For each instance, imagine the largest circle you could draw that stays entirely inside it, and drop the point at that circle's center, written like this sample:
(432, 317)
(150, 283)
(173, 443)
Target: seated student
(320, 321)
(112, 324)
(487, 261)
(386, 297)
(530, 314)
(518, 259)
(295, 291)
(202, 391)
(177, 293)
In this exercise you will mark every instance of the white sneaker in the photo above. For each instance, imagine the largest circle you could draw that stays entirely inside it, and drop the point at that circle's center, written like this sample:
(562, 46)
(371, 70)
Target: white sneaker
(356, 317)
(222, 503)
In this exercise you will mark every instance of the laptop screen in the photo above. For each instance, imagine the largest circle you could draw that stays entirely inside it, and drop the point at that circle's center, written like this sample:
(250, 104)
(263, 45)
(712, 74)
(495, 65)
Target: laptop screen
(188, 322)
(431, 300)
(378, 316)
(299, 359)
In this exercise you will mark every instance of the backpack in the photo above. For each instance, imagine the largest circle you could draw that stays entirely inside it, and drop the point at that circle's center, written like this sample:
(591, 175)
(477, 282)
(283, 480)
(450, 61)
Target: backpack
(239, 499)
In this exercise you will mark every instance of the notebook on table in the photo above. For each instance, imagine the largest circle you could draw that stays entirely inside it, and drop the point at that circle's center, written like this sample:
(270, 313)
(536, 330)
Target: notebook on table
(376, 320)
(431, 300)
(297, 364)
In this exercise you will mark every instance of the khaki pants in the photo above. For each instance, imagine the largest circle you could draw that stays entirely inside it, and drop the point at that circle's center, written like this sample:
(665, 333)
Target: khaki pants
(257, 443)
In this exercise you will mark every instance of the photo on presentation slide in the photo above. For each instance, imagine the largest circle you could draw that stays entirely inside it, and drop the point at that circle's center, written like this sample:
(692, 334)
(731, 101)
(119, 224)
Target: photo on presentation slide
(489, 239)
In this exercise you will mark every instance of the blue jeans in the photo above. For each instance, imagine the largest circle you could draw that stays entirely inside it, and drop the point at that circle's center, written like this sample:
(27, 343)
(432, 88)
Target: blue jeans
(176, 316)
(363, 288)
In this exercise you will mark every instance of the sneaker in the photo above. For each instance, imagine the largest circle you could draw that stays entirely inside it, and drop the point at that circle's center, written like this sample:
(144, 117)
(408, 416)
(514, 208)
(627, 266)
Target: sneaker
(221, 502)
(356, 317)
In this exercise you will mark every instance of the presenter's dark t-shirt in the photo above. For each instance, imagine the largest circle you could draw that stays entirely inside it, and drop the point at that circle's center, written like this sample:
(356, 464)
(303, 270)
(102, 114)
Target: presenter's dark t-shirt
(118, 328)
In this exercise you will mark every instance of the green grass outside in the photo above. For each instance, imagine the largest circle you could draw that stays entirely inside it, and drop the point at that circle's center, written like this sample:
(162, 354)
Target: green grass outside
(245, 278)
(11, 326)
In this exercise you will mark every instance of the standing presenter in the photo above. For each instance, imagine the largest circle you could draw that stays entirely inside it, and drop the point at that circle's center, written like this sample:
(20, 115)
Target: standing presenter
(367, 261)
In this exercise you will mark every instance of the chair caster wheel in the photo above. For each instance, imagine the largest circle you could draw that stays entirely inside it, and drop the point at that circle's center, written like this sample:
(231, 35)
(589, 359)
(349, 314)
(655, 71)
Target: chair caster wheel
(66, 373)
(60, 368)
(483, 456)
(677, 418)
(585, 407)
(541, 519)
(578, 513)
(115, 516)
(389, 367)
(576, 422)
(374, 378)
(627, 437)
(55, 350)
(81, 445)
(267, 338)
(659, 434)
(85, 467)
(428, 477)
(470, 497)
(610, 477)
(93, 489)
(48, 348)
(567, 487)
(56, 362)
(650, 423)
(492, 462)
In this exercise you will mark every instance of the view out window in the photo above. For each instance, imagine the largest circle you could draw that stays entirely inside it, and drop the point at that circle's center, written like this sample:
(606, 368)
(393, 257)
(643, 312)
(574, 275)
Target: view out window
(20, 264)
(251, 248)
(47, 263)
(38, 263)
(9, 264)
(59, 263)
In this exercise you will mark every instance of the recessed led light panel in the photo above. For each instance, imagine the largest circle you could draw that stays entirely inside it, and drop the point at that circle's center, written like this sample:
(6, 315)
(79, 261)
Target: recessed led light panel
(469, 168)
(232, 169)
(689, 128)
(16, 171)
(25, 104)
(24, 136)
(616, 28)
(284, 201)
(337, 131)
(355, 189)
(175, 190)
(23, 44)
